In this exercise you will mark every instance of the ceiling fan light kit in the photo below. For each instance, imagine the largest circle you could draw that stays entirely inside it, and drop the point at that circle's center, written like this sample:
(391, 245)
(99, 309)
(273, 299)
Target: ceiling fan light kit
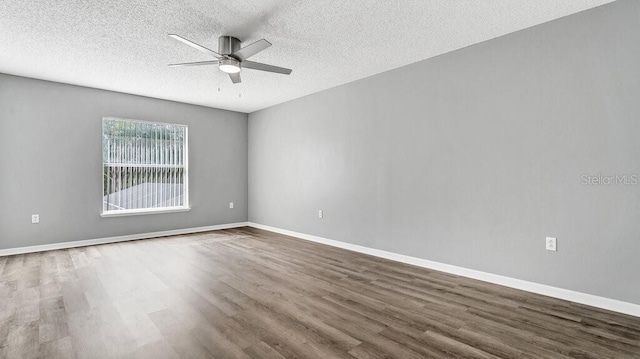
(232, 57)
(229, 66)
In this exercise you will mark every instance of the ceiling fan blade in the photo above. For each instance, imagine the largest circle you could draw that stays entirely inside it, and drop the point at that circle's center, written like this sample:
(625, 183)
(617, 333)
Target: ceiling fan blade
(194, 45)
(235, 78)
(250, 50)
(200, 63)
(264, 67)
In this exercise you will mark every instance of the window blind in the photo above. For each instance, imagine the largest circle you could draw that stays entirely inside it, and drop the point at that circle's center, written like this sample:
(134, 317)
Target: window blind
(144, 165)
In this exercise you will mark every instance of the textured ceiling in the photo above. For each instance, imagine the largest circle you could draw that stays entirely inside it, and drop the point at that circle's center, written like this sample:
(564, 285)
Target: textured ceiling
(122, 45)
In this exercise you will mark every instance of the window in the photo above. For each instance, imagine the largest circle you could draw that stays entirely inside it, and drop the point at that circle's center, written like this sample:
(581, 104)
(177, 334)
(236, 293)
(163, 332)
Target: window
(144, 167)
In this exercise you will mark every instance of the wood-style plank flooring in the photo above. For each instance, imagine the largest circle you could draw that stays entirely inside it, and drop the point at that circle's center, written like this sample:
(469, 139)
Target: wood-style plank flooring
(246, 293)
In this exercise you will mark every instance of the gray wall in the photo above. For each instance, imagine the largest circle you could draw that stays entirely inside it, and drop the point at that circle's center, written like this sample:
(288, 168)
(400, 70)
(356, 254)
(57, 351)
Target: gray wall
(473, 157)
(50, 141)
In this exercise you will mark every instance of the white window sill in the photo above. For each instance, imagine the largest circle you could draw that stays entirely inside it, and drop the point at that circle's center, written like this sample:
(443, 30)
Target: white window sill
(136, 212)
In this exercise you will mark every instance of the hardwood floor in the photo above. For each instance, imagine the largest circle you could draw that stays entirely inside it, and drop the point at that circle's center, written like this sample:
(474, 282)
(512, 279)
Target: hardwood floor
(247, 293)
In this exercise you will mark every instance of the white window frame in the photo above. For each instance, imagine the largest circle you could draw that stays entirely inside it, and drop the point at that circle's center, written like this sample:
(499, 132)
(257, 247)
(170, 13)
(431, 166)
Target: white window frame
(158, 210)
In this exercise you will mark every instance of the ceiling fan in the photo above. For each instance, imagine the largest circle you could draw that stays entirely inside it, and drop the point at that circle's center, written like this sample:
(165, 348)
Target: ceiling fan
(231, 58)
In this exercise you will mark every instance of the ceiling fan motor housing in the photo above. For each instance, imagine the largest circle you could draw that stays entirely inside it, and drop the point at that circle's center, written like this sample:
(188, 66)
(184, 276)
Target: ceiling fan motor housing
(227, 45)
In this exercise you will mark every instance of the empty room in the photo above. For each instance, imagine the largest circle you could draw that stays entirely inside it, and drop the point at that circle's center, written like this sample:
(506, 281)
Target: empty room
(320, 179)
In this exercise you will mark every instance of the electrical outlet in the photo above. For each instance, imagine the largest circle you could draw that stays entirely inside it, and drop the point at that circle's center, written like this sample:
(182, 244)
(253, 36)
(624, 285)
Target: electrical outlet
(230, 204)
(320, 214)
(35, 218)
(551, 243)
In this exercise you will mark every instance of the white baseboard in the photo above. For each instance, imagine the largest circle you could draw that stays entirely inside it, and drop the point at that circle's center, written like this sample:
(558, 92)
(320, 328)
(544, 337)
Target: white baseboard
(129, 237)
(565, 294)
